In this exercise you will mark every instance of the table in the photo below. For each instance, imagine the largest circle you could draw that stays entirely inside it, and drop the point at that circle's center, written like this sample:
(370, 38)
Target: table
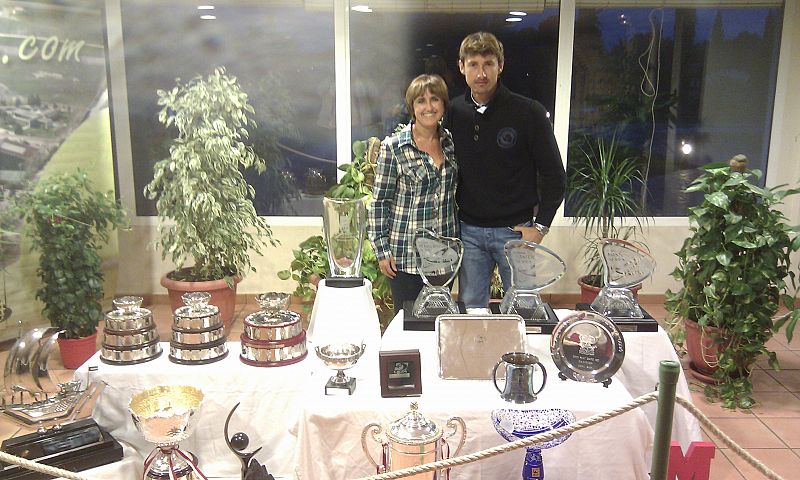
(329, 428)
(308, 435)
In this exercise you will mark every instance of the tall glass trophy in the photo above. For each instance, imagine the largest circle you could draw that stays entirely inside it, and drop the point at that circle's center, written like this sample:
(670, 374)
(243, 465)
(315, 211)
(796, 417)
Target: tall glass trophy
(624, 266)
(345, 224)
(533, 267)
(438, 260)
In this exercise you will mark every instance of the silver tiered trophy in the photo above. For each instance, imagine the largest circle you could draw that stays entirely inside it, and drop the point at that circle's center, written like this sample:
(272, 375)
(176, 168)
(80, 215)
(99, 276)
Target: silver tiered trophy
(513, 424)
(438, 260)
(533, 267)
(345, 223)
(624, 266)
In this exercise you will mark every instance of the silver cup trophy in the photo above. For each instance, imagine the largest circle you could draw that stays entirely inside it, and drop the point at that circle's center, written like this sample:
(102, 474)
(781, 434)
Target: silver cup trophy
(624, 266)
(513, 424)
(165, 416)
(438, 261)
(533, 267)
(340, 356)
(345, 224)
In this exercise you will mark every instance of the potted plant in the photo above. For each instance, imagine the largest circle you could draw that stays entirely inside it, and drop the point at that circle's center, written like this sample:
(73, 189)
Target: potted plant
(204, 203)
(310, 262)
(602, 186)
(67, 223)
(733, 270)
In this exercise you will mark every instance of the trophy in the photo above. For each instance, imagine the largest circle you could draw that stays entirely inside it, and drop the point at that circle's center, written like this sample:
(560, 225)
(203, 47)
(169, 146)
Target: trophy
(251, 468)
(345, 222)
(166, 415)
(273, 336)
(411, 441)
(533, 267)
(438, 260)
(520, 367)
(587, 347)
(340, 357)
(624, 266)
(514, 424)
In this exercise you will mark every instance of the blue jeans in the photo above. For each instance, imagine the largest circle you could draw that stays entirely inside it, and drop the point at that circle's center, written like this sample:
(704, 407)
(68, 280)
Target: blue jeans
(483, 249)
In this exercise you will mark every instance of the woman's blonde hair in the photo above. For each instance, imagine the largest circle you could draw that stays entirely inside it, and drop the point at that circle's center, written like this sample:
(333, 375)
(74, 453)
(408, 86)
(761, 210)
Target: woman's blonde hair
(425, 83)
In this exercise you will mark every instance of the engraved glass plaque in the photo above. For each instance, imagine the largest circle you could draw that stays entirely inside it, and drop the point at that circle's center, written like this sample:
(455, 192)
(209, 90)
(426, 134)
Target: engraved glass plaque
(533, 267)
(513, 424)
(438, 260)
(624, 266)
(587, 347)
(345, 224)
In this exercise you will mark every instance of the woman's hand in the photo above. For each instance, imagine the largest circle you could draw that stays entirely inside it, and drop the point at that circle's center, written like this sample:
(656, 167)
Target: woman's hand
(388, 267)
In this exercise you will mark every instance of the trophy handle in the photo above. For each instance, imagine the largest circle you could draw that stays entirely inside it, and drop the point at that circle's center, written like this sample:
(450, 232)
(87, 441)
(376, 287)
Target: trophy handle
(544, 378)
(372, 429)
(453, 423)
(494, 375)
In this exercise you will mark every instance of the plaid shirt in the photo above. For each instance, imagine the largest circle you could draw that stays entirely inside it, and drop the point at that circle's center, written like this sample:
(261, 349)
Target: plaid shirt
(411, 193)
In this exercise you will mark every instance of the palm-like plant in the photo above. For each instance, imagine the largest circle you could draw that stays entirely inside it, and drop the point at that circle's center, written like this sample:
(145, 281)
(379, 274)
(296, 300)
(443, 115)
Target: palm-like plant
(602, 190)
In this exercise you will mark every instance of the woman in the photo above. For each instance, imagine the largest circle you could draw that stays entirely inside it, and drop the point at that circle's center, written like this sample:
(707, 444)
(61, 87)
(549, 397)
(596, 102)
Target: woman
(415, 184)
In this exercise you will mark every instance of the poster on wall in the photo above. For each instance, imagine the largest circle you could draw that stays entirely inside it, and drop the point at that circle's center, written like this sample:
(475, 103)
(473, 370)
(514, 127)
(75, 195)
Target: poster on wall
(53, 119)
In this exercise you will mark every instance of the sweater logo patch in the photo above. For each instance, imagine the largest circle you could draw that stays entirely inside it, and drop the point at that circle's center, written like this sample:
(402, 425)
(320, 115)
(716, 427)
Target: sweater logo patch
(507, 137)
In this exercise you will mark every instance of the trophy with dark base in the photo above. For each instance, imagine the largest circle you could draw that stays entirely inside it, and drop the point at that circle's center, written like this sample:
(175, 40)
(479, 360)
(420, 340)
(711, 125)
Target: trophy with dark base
(345, 223)
(533, 267)
(624, 266)
(438, 260)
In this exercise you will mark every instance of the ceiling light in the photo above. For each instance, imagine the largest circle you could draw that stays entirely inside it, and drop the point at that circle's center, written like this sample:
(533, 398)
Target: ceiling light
(513, 19)
(362, 9)
(686, 148)
(518, 13)
(205, 7)
(208, 17)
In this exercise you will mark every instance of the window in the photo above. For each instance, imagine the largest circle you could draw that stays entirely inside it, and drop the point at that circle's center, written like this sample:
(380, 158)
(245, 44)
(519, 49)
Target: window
(282, 54)
(678, 87)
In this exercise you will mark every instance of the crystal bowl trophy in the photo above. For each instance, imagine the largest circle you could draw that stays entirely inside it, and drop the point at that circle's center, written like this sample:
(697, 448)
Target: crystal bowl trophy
(587, 347)
(345, 222)
(624, 266)
(533, 267)
(411, 441)
(514, 424)
(165, 416)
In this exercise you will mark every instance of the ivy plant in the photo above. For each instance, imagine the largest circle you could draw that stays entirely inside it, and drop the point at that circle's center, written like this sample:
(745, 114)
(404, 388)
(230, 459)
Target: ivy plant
(203, 201)
(67, 222)
(733, 269)
(310, 262)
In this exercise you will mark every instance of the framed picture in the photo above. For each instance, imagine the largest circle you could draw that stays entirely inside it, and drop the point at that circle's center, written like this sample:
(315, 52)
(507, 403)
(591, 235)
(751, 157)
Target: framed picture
(400, 373)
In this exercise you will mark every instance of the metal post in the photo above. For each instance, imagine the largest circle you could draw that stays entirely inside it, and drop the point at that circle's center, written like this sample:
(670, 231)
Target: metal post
(668, 373)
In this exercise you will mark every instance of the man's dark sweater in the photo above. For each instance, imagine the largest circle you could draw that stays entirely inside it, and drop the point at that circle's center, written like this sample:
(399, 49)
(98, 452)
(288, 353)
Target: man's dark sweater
(508, 160)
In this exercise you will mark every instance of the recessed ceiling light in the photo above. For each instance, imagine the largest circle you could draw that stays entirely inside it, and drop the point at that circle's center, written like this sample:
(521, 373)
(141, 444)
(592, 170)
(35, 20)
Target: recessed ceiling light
(208, 17)
(518, 13)
(513, 19)
(205, 7)
(362, 9)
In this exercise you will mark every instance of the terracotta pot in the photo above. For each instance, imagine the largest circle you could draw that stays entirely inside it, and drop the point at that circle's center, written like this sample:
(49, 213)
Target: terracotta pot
(222, 296)
(75, 351)
(589, 292)
(702, 350)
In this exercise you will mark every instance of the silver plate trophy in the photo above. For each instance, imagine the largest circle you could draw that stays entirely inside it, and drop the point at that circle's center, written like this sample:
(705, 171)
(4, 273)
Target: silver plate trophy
(438, 260)
(345, 224)
(533, 267)
(587, 347)
(513, 424)
(624, 266)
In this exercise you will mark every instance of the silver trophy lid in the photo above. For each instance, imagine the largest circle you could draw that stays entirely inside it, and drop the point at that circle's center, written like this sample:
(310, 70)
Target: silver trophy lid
(128, 307)
(273, 311)
(196, 305)
(413, 429)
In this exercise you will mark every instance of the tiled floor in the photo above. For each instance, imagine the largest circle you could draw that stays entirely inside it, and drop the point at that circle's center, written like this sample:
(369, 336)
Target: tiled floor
(770, 431)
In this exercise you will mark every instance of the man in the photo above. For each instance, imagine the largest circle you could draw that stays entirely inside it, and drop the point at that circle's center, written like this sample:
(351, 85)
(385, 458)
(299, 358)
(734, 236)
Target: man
(511, 179)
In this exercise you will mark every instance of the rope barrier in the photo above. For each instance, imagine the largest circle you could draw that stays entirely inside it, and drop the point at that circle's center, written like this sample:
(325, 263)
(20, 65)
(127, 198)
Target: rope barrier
(489, 452)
